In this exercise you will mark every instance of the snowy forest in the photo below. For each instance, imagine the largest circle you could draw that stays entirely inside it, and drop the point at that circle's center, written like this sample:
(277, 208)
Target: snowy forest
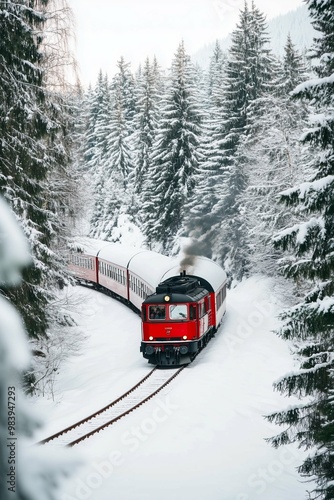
(237, 159)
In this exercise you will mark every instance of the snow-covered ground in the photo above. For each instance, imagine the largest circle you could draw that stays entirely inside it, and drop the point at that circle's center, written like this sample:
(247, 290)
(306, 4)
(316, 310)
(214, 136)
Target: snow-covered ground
(203, 435)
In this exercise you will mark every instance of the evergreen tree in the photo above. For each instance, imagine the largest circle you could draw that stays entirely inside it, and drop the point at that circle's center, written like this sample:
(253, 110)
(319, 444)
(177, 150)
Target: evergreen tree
(113, 190)
(310, 323)
(97, 108)
(119, 157)
(146, 120)
(216, 76)
(248, 71)
(36, 122)
(33, 145)
(123, 86)
(78, 213)
(293, 66)
(174, 158)
(201, 220)
(275, 160)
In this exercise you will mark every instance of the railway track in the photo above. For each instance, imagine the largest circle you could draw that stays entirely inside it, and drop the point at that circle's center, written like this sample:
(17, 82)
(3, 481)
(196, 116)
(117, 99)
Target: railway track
(148, 387)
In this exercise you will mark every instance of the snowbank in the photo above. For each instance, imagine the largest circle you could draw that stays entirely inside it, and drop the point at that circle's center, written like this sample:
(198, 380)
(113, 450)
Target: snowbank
(203, 436)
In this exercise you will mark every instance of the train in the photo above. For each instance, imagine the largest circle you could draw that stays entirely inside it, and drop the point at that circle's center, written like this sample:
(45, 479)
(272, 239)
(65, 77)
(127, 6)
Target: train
(181, 306)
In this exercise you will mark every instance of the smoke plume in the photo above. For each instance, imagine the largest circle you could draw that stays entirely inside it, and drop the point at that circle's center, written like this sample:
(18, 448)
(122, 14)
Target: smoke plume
(190, 250)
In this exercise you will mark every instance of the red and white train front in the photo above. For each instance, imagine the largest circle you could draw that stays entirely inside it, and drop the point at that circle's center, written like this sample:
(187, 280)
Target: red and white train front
(180, 318)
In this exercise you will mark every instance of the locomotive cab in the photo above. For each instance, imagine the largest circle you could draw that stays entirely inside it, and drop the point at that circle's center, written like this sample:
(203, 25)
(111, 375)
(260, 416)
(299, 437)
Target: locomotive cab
(175, 321)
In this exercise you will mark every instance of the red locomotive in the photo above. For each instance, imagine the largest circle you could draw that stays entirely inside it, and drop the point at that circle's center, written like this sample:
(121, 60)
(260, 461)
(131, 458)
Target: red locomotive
(180, 311)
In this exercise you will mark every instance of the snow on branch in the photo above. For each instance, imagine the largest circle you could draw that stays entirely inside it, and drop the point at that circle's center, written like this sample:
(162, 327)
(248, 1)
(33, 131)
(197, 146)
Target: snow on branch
(305, 188)
(309, 85)
(301, 230)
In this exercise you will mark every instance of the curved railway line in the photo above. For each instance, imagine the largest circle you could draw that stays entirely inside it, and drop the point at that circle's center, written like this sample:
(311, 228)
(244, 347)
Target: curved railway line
(144, 390)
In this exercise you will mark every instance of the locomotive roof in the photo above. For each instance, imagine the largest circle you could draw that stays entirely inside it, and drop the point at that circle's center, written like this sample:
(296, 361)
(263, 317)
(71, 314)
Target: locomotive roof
(209, 271)
(176, 298)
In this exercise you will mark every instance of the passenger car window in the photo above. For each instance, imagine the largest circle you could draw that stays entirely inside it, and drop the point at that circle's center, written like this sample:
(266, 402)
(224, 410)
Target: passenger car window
(178, 312)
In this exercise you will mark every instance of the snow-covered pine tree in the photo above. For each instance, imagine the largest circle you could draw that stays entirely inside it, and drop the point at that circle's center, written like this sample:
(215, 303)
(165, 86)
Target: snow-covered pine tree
(113, 191)
(248, 71)
(293, 66)
(275, 160)
(21, 149)
(310, 323)
(77, 216)
(216, 76)
(63, 179)
(174, 158)
(31, 146)
(35, 121)
(97, 114)
(123, 85)
(201, 221)
(146, 119)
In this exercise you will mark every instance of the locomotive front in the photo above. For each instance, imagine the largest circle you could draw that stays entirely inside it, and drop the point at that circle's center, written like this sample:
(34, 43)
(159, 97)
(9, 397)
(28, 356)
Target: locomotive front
(176, 321)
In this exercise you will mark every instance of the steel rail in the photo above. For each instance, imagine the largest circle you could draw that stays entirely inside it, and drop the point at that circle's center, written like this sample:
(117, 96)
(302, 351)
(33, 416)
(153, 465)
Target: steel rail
(110, 405)
(97, 429)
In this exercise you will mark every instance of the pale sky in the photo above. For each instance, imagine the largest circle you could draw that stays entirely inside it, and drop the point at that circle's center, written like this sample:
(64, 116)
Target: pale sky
(137, 29)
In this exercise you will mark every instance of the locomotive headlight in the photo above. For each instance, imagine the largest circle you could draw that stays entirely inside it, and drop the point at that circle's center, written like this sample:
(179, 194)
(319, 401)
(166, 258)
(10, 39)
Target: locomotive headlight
(166, 298)
(184, 337)
(150, 338)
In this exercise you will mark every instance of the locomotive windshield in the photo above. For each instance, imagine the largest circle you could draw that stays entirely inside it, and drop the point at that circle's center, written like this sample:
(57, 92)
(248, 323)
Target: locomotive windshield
(171, 312)
(178, 312)
(157, 312)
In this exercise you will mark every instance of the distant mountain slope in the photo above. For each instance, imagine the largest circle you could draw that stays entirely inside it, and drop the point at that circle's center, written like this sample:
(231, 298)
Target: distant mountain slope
(296, 22)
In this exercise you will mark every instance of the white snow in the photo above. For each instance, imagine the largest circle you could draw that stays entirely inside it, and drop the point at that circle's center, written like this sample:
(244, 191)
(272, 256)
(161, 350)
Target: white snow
(89, 246)
(305, 227)
(309, 84)
(14, 254)
(34, 472)
(305, 188)
(14, 348)
(203, 435)
(302, 230)
(326, 304)
(14, 251)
